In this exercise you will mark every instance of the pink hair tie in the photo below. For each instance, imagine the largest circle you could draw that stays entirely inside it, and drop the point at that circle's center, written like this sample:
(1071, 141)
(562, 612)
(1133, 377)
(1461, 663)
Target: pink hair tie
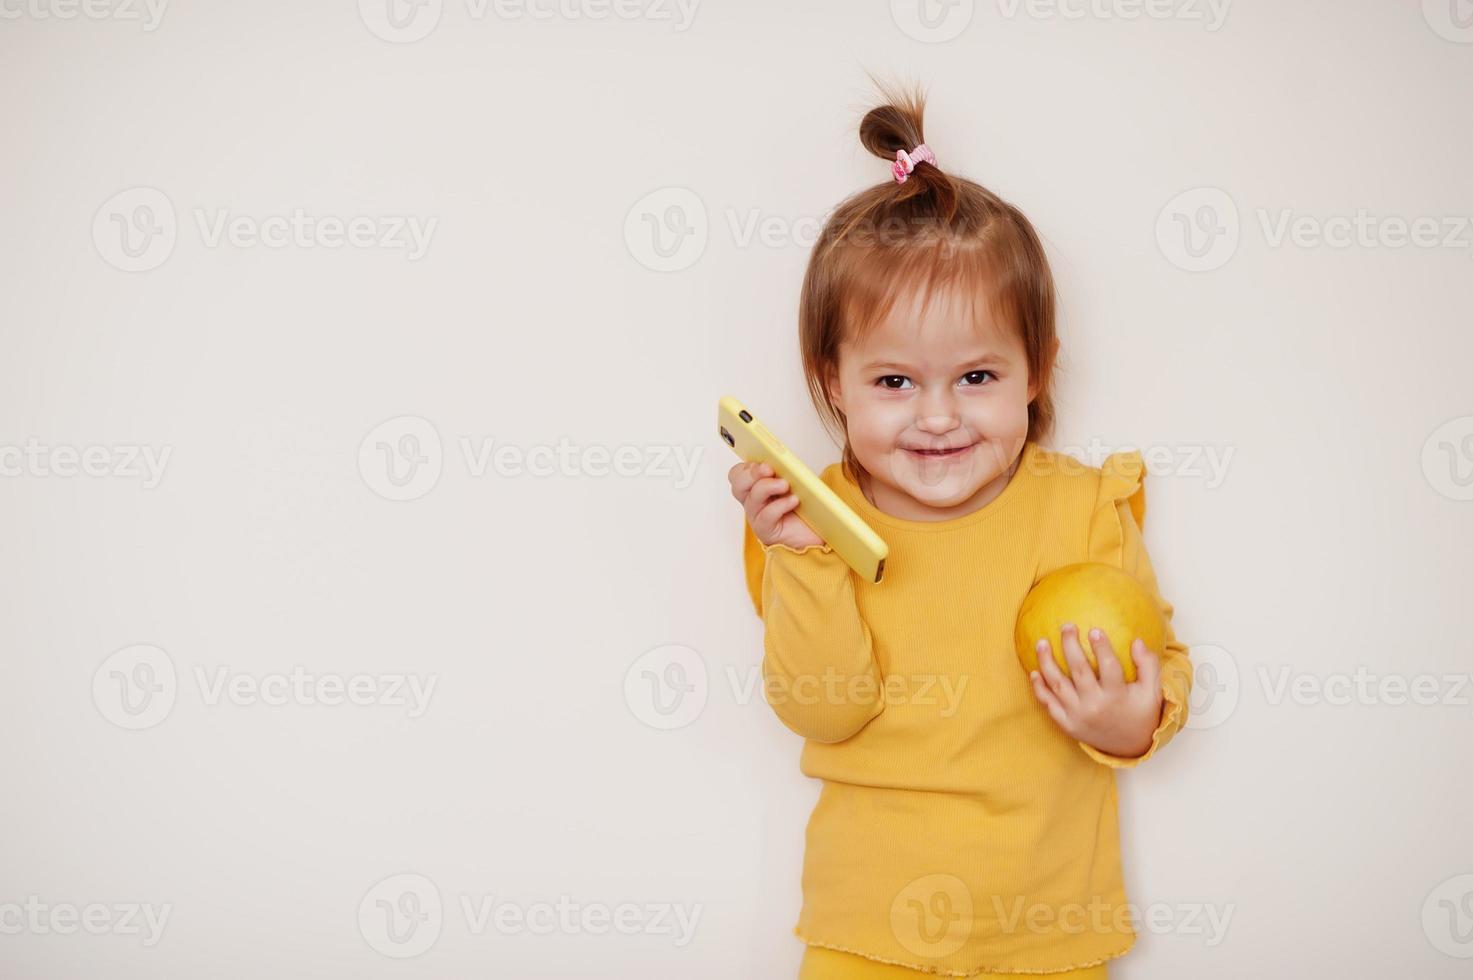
(906, 162)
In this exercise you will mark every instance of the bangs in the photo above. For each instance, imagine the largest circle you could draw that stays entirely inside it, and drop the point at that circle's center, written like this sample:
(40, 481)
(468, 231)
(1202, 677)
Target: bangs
(984, 287)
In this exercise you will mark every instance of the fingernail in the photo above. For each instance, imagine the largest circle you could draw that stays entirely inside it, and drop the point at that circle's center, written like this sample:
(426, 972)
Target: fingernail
(1096, 635)
(1041, 646)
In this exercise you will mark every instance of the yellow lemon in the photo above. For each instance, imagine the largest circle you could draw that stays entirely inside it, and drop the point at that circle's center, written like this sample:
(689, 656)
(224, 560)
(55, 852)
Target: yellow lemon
(1090, 595)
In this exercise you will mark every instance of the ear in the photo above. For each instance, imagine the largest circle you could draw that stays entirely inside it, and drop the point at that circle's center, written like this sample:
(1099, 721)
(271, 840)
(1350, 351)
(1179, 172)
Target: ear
(835, 390)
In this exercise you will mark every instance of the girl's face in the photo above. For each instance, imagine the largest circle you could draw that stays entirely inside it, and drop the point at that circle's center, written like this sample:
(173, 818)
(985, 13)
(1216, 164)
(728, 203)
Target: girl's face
(936, 406)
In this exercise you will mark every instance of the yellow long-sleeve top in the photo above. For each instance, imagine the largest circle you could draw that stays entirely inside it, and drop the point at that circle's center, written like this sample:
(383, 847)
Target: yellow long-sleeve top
(958, 830)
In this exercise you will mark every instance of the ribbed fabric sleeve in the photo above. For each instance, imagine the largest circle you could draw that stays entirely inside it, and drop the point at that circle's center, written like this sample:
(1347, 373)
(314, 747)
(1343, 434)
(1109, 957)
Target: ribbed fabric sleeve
(818, 666)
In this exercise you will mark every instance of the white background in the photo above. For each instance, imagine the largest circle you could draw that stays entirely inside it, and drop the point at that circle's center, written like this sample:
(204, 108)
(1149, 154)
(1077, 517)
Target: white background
(541, 313)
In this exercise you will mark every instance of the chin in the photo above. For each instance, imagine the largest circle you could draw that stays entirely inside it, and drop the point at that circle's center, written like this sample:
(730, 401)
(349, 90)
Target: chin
(949, 493)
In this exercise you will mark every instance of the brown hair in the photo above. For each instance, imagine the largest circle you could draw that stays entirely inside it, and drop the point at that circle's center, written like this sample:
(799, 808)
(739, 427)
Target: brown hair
(934, 231)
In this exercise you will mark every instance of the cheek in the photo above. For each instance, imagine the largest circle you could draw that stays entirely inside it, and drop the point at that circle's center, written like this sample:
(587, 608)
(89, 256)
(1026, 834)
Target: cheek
(878, 416)
(1004, 411)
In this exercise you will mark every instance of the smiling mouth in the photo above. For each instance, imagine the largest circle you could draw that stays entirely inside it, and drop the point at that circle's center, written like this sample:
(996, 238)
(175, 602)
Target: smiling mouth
(942, 453)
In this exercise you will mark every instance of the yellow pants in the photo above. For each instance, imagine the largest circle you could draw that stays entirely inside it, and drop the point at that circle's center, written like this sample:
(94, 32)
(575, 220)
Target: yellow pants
(820, 963)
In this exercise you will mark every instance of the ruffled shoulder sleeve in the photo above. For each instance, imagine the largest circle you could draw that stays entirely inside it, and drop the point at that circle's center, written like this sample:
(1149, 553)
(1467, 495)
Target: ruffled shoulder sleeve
(1122, 491)
(1115, 538)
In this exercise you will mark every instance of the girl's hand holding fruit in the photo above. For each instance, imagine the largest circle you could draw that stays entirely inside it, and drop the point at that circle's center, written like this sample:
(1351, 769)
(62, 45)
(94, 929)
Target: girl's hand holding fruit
(1114, 716)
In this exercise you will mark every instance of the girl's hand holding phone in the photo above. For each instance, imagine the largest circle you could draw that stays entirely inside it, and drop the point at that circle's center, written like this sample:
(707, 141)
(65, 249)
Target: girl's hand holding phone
(770, 503)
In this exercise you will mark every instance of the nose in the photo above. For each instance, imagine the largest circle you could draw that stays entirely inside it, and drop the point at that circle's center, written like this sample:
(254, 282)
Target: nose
(936, 413)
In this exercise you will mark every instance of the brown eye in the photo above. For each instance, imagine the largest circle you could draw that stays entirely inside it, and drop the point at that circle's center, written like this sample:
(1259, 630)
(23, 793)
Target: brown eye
(974, 374)
(884, 380)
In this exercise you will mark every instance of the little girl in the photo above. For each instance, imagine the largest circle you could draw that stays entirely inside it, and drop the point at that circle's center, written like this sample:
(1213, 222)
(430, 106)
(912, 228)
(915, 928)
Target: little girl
(967, 823)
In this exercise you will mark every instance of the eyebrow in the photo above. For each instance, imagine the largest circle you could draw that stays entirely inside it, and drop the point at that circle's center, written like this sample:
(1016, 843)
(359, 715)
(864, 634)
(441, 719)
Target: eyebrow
(985, 359)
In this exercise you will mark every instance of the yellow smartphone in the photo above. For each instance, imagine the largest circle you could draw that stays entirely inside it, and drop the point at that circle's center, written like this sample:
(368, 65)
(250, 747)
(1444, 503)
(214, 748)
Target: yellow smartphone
(819, 507)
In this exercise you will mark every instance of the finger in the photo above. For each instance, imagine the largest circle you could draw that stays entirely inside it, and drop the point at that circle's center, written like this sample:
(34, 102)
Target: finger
(1112, 674)
(1147, 666)
(1079, 668)
(741, 479)
(743, 475)
(762, 493)
(769, 519)
(1050, 702)
(1062, 687)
